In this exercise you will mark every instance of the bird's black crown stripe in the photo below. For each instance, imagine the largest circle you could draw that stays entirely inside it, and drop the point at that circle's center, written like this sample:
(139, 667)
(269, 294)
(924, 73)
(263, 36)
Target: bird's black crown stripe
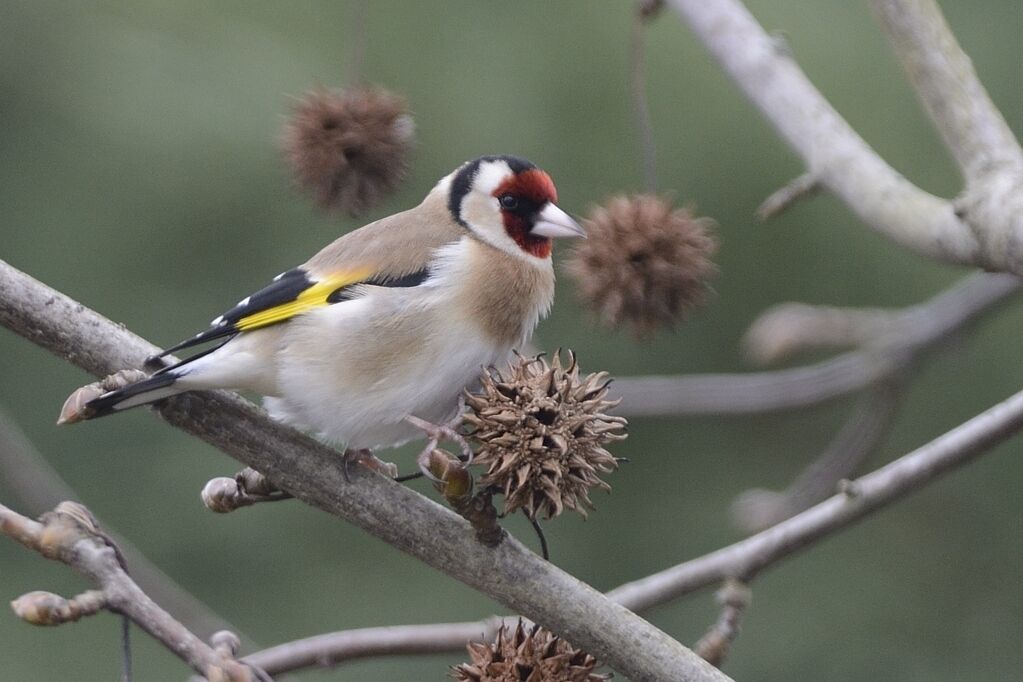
(462, 181)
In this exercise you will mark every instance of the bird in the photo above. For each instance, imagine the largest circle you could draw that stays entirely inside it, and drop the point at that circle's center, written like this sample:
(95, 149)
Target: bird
(373, 340)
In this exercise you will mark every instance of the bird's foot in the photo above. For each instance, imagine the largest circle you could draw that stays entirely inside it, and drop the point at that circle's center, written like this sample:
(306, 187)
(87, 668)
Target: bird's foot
(435, 433)
(366, 458)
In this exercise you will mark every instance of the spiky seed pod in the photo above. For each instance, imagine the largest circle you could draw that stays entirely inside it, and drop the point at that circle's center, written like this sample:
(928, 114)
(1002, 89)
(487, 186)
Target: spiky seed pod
(349, 148)
(645, 263)
(524, 654)
(541, 431)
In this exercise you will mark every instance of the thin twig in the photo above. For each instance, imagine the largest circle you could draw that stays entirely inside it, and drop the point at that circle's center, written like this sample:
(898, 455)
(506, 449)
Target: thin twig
(802, 187)
(357, 48)
(400, 640)
(865, 429)
(865, 495)
(36, 487)
(786, 329)
(913, 330)
(68, 535)
(640, 101)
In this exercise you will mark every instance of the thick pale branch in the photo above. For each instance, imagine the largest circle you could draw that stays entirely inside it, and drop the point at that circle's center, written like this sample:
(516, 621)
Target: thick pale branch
(312, 472)
(944, 78)
(746, 558)
(832, 151)
(972, 127)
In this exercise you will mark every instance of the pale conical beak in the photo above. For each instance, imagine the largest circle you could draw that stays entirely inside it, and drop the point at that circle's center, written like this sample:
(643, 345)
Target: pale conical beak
(553, 222)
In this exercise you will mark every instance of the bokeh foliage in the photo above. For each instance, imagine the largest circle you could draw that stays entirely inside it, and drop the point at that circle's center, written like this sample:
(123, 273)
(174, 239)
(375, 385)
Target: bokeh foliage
(139, 174)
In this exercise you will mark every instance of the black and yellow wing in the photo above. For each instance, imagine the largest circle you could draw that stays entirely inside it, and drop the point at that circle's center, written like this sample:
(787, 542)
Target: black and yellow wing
(290, 293)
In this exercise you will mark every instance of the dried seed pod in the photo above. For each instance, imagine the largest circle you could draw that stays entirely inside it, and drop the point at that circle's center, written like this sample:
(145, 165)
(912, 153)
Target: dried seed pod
(541, 431)
(524, 654)
(646, 263)
(349, 148)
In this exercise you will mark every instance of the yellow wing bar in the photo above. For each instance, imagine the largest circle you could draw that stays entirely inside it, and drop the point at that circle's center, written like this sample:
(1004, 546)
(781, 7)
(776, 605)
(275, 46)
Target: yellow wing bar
(315, 296)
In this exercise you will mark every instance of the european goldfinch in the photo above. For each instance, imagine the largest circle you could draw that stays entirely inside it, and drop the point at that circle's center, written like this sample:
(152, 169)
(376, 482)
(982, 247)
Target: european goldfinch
(386, 326)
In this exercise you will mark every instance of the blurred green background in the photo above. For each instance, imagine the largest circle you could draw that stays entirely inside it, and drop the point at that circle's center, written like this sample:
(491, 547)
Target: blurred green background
(139, 173)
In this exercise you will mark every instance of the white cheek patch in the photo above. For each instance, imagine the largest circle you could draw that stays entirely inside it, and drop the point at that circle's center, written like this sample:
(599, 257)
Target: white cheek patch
(481, 210)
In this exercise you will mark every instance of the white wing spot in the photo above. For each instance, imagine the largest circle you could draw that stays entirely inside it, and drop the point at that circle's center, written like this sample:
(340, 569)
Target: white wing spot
(279, 276)
(245, 301)
(219, 319)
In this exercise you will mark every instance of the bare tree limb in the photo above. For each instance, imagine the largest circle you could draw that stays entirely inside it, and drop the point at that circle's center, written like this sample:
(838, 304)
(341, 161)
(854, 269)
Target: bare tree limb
(37, 487)
(832, 151)
(865, 495)
(756, 509)
(753, 393)
(333, 648)
(912, 331)
(947, 84)
(802, 187)
(312, 472)
(68, 535)
(972, 127)
(786, 329)
(742, 560)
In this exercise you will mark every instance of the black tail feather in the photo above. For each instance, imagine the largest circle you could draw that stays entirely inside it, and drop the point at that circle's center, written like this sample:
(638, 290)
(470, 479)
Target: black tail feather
(108, 402)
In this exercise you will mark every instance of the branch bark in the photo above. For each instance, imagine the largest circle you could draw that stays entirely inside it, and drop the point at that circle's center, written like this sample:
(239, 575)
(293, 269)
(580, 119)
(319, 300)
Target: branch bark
(332, 648)
(68, 535)
(833, 152)
(38, 488)
(944, 78)
(910, 332)
(312, 472)
(745, 559)
(971, 126)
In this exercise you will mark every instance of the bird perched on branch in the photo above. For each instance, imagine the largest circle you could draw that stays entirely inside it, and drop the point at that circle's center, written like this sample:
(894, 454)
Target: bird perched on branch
(376, 336)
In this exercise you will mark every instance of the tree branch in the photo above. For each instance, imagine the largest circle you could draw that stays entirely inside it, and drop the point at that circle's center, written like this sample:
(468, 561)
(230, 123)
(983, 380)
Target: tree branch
(758, 508)
(333, 648)
(68, 534)
(971, 126)
(833, 152)
(910, 332)
(745, 559)
(312, 472)
(37, 488)
(944, 78)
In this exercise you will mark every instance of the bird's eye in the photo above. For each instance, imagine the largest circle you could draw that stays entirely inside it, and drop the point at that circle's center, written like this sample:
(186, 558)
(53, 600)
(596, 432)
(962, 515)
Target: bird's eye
(509, 202)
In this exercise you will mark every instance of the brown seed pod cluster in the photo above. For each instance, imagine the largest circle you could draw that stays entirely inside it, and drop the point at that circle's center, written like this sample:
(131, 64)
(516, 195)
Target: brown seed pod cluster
(541, 431)
(646, 263)
(527, 655)
(349, 148)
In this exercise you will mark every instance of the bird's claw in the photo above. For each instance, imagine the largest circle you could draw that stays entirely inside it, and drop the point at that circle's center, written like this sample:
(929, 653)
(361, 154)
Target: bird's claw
(435, 433)
(366, 458)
